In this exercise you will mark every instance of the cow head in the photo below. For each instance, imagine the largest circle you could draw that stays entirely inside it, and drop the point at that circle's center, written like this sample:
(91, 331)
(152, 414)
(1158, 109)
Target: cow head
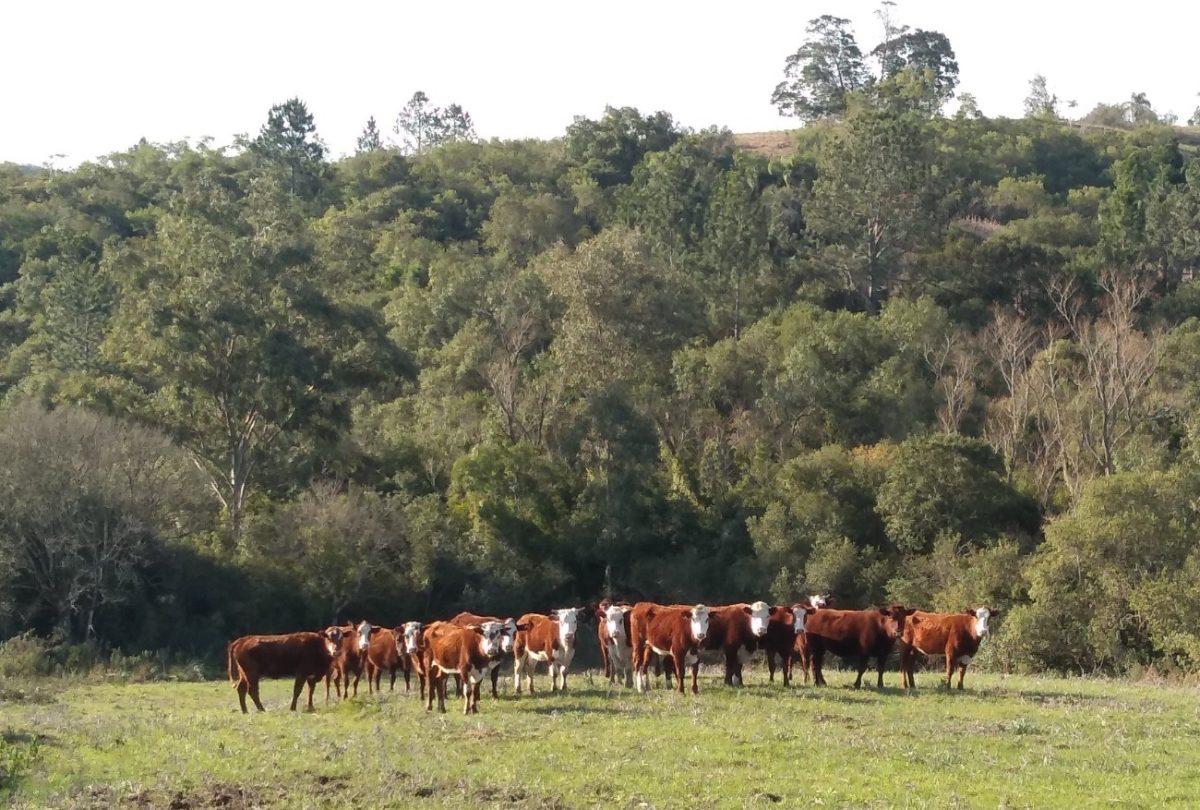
(492, 637)
(818, 600)
(895, 615)
(507, 634)
(698, 618)
(982, 616)
(568, 624)
(412, 638)
(800, 612)
(333, 639)
(364, 631)
(760, 616)
(614, 621)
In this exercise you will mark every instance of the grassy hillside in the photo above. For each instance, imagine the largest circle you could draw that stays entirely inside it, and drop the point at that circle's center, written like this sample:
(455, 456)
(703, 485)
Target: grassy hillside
(1008, 742)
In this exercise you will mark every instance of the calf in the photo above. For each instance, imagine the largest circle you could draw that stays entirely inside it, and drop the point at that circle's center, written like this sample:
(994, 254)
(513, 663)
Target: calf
(855, 634)
(955, 635)
(467, 652)
(549, 639)
(800, 645)
(667, 631)
(614, 642)
(413, 641)
(386, 652)
(507, 639)
(784, 634)
(303, 656)
(350, 659)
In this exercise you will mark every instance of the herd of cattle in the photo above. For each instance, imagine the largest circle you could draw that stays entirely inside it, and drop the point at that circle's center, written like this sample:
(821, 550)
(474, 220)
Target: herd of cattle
(632, 639)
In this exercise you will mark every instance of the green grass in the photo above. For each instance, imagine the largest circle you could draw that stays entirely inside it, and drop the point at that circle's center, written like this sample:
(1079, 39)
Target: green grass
(1004, 742)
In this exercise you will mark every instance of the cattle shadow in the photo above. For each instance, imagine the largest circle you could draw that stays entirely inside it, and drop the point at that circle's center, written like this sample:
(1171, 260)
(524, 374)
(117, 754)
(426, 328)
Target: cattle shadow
(564, 708)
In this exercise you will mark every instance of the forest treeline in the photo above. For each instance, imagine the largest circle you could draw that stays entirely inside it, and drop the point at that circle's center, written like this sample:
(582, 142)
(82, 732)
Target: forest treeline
(930, 359)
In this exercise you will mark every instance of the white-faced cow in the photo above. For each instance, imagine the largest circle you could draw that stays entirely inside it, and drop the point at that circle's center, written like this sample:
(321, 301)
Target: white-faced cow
(674, 633)
(467, 652)
(614, 643)
(548, 639)
(955, 635)
(351, 659)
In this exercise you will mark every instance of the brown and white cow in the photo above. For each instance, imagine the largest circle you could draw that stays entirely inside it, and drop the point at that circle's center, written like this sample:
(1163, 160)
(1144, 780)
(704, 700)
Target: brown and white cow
(467, 652)
(548, 639)
(671, 632)
(613, 635)
(784, 634)
(507, 640)
(955, 635)
(800, 641)
(385, 652)
(350, 660)
(735, 630)
(303, 656)
(412, 642)
(859, 635)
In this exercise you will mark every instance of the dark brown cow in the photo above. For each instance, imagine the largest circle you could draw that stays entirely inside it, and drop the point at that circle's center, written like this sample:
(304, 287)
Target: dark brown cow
(467, 652)
(667, 631)
(303, 656)
(783, 638)
(735, 630)
(854, 634)
(465, 619)
(955, 635)
(350, 660)
(548, 639)
(386, 652)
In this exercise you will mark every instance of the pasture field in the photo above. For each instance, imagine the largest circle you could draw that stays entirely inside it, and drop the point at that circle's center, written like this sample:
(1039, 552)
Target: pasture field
(1004, 742)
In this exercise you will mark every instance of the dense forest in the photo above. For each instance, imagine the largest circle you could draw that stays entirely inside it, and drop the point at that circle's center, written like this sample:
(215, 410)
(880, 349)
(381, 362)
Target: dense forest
(923, 357)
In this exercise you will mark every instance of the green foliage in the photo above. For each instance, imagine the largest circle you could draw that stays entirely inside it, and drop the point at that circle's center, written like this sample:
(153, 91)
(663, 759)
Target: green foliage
(288, 142)
(822, 72)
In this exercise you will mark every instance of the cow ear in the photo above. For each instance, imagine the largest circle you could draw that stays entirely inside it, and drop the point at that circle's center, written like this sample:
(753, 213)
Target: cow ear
(994, 611)
(747, 610)
(686, 613)
(885, 611)
(908, 611)
(916, 620)
(773, 609)
(523, 626)
(969, 612)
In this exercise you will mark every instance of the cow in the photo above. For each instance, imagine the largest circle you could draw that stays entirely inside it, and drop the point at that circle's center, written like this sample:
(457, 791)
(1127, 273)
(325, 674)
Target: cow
(784, 634)
(801, 641)
(614, 642)
(546, 639)
(955, 635)
(350, 659)
(303, 656)
(465, 619)
(467, 652)
(386, 652)
(413, 641)
(735, 630)
(855, 634)
(667, 631)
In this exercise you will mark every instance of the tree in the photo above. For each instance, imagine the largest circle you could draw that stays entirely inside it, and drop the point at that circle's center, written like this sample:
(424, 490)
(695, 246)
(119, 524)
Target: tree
(289, 141)
(924, 53)
(1194, 121)
(873, 200)
(417, 123)
(1040, 103)
(1139, 111)
(822, 72)
(231, 346)
(369, 140)
(455, 125)
(608, 149)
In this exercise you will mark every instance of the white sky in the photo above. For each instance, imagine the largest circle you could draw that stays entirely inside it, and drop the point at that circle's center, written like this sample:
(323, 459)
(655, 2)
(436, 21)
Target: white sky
(87, 78)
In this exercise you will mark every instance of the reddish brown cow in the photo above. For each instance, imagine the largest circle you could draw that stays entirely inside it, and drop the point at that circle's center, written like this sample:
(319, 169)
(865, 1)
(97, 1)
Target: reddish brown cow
(465, 619)
(613, 636)
(784, 637)
(667, 631)
(854, 634)
(735, 630)
(386, 652)
(548, 639)
(467, 652)
(955, 635)
(350, 660)
(303, 656)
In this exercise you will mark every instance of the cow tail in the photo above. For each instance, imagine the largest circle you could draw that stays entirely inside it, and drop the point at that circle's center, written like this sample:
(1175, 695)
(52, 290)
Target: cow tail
(232, 669)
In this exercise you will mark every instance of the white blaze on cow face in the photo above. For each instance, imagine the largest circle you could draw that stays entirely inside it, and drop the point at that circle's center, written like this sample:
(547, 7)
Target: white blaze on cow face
(760, 616)
(699, 622)
(492, 634)
(817, 601)
(412, 637)
(614, 619)
(509, 634)
(799, 614)
(568, 623)
(364, 635)
(333, 640)
(981, 621)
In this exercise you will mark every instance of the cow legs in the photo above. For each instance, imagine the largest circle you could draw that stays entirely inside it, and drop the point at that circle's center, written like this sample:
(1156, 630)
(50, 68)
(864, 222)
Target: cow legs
(677, 660)
(785, 667)
(816, 659)
(253, 689)
(962, 672)
(518, 672)
(881, 665)
(312, 685)
(496, 682)
(241, 690)
(297, 688)
(695, 675)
